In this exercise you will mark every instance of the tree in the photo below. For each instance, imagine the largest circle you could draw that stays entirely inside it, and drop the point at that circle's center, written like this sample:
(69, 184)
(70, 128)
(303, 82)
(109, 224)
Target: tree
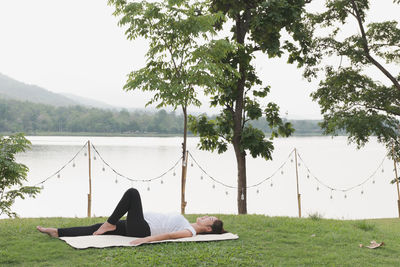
(350, 97)
(257, 27)
(175, 64)
(12, 174)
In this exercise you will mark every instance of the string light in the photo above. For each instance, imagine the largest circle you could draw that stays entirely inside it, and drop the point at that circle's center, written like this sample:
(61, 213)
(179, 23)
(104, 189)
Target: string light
(258, 191)
(57, 173)
(371, 177)
(85, 154)
(226, 192)
(58, 176)
(317, 188)
(73, 164)
(162, 182)
(230, 186)
(116, 179)
(148, 187)
(213, 186)
(191, 164)
(282, 172)
(174, 174)
(103, 169)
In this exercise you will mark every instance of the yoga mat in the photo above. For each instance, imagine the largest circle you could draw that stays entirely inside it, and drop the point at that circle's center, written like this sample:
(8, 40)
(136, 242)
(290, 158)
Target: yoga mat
(103, 241)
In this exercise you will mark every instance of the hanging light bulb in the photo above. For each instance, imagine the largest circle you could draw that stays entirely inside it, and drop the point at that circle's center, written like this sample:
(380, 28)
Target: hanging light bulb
(226, 192)
(148, 188)
(308, 176)
(201, 177)
(345, 196)
(85, 154)
(174, 173)
(116, 180)
(362, 192)
(317, 188)
(191, 164)
(103, 169)
(282, 172)
(162, 182)
(291, 160)
(331, 197)
(73, 164)
(383, 170)
(58, 175)
(258, 191)
(42, 186)
(213, 186)
(298, 164)
(272, 184)
(373, 181)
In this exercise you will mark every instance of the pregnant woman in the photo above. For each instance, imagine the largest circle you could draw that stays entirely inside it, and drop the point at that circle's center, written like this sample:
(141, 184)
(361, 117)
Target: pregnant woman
(148, 226)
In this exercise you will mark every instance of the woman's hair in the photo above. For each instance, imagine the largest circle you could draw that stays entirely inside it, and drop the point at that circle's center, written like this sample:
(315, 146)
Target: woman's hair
(216, 228)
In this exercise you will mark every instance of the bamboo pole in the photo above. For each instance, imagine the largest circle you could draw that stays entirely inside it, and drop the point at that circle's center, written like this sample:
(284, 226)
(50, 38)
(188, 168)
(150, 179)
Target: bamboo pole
(297, 183)
(90, 183)
(183, 184)
(397, 179)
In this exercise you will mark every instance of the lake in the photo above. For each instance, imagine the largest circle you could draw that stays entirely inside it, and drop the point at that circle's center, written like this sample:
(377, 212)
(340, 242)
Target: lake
(332, 161)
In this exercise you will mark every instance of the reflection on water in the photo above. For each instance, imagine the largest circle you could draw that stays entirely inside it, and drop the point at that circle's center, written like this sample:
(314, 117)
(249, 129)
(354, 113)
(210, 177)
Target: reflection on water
(331, 160)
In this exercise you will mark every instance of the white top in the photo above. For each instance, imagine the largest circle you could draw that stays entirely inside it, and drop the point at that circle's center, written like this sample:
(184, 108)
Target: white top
(160, 223)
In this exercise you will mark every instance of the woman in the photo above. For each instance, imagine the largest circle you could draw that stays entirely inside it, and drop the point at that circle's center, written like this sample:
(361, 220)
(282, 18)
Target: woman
(148, 226)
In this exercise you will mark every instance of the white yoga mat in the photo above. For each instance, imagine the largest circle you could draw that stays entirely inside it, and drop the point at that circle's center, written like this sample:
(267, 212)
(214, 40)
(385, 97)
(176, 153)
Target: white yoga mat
(103, 241)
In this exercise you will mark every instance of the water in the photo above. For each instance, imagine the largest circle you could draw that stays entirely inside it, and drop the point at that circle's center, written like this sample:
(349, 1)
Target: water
(332, 161)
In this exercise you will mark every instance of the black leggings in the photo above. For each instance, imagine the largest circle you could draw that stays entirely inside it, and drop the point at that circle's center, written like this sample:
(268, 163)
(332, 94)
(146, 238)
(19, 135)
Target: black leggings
(134, 225)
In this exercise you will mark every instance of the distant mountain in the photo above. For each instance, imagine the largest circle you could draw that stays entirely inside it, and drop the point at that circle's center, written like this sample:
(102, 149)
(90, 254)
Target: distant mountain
(89, 102)
(13, 89)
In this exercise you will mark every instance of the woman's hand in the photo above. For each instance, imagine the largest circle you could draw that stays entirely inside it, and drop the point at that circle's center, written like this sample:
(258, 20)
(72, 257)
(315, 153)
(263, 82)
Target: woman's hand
(139, 241)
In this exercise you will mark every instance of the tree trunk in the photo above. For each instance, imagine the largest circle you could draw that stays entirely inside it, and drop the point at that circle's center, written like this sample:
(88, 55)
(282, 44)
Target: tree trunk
(241, 29)
(184, 161)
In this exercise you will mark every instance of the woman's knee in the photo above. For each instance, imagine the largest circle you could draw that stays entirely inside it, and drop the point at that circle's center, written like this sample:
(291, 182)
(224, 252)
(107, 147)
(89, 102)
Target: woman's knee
(132, 192)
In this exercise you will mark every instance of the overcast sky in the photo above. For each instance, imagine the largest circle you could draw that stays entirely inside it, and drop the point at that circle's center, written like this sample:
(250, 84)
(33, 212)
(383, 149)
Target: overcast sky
(76, 46)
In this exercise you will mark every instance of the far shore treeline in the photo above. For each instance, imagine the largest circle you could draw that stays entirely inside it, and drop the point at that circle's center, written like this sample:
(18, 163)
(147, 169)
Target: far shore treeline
(36, 119)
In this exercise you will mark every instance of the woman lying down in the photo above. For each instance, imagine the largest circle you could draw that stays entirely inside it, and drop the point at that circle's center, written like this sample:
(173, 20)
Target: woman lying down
(147, 226)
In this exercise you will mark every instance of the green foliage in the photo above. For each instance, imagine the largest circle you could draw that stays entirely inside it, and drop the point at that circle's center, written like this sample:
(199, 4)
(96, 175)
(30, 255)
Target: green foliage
(263, 241)
(350, 99)
(176, 62)
(13, 174)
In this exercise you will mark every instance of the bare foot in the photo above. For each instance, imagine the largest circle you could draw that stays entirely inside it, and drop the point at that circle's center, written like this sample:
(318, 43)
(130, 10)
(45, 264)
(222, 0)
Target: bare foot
(105, 227)
(53, 232)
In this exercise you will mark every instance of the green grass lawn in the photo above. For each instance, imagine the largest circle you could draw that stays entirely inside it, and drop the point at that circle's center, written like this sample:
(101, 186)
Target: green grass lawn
(263, 241)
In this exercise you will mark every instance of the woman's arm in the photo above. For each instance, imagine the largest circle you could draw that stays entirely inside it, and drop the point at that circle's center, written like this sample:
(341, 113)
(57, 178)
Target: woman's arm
(173, 235)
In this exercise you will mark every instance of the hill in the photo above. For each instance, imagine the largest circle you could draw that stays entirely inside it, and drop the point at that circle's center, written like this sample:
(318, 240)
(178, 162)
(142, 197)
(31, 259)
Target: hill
(13, 89)
(16, 90)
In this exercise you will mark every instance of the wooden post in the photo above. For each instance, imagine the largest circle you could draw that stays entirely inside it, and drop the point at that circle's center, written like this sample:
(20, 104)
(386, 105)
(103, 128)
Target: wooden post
(297, 183)
(90, 183)
(183, 184)
(397, 179)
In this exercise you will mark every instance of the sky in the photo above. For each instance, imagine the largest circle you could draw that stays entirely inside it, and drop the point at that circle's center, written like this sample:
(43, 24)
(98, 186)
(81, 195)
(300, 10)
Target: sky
(77, 47)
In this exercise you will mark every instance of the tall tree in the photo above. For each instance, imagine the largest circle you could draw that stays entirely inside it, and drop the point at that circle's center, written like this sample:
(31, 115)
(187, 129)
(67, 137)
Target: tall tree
(13, 174)
(257, 27)
(361, 94)
(175, 59)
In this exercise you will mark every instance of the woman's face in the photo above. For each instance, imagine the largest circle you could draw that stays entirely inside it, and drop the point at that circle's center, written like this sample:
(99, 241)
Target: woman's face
(206, 220)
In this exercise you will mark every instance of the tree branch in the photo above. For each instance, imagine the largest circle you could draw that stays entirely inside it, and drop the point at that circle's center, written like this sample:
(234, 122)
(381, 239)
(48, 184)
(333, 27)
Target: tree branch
(366, 48)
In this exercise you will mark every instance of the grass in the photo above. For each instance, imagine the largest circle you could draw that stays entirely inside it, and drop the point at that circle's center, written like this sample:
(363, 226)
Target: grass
(264, 241)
